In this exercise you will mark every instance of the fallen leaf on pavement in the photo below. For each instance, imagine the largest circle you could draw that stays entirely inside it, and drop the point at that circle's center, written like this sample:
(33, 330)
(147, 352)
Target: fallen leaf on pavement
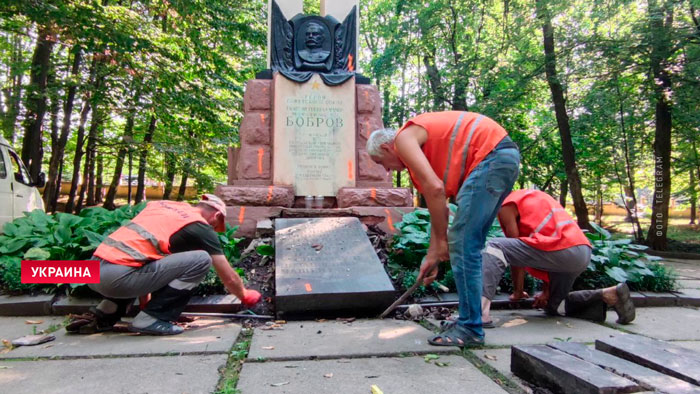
(440, 364)
(4, 367)
(317, 247)
(371, 376)
(514, 322)
(429, 357)
(328, 375)
(33, 321)
(569, 325)
(491, 357)
(280, 322)
(268, 347)
(279, 384)
(376, 390)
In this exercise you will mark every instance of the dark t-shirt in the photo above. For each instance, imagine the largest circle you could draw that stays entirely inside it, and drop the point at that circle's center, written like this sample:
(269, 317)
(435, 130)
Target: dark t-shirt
(196, 236)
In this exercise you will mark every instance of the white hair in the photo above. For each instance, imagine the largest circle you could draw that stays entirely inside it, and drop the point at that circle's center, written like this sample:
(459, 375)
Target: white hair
(379, 138)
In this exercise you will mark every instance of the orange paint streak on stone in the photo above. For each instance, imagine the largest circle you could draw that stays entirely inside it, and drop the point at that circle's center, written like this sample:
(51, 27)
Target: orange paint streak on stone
(269, 193)
(261, 152)
(388, 219)
(351, 67)
(262, 118)
(374, 194)
(241, 215)
(308, 287)
(350, 176)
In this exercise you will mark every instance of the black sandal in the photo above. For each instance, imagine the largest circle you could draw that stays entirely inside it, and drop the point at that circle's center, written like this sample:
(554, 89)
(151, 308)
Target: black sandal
(456, 336)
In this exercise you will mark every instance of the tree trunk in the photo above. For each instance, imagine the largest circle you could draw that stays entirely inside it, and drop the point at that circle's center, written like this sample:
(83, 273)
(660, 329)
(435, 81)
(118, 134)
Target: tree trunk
(32, 146)
(57, 190)
(121, 154)
(169, 175)
(98, 179)
(563, 190)
(693, 194)
(13, 93)
(143, 156)
(661, 20)
(78, 157)
(89, 168)
(183, 187)
(54, 182)
(567, 146)
(599, 205)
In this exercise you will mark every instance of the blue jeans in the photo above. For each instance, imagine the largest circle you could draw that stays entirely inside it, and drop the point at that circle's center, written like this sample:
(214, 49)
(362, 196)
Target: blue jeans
(478, 200)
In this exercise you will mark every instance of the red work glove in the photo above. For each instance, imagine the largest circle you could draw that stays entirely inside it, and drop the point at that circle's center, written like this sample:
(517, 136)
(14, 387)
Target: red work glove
(251, 297)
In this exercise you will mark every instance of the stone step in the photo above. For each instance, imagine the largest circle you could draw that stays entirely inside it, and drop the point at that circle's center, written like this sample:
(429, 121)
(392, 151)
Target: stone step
(648, 378)
(218, 303)
(563, 373)
(26, 305)
(328, 265)
(661, 356)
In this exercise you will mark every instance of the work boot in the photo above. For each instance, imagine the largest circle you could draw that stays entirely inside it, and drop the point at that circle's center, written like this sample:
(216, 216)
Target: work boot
(624, 305)
(92, 322)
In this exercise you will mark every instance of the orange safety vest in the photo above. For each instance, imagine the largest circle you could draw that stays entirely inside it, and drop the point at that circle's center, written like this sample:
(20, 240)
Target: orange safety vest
(544, 223)
(147, 236)
(457, 142)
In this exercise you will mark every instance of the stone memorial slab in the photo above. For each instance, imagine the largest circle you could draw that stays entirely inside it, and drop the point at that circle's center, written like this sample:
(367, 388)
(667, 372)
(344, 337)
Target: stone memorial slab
(560, 372)
(328, 264)
(314, 136)
(664, 357)
(666, 323)
(336, 339)
(202, 337)
(178, 374)
(25, 305)
(356, 376)
(647, 377)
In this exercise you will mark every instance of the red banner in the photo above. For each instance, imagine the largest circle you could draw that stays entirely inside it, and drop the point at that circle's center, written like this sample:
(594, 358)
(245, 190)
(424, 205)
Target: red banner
(58, 271)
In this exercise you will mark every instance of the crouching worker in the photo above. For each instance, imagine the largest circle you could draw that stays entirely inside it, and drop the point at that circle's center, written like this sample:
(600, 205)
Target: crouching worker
(165, 251)
(545, 240)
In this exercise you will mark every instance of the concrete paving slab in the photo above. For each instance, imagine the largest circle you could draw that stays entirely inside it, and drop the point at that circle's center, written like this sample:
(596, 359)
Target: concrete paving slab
(333, 339)
(667, 323)
(26, 305)
(177, 374)
(14, 327)
(531, 327)
(204, 336)
(685, 269)
(692, 345)
(499, 359)
(688, 297)
(390, 374)
(689, 284)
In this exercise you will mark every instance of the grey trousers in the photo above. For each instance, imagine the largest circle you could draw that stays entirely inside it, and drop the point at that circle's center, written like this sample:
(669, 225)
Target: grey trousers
(181, 271)
(563, 266)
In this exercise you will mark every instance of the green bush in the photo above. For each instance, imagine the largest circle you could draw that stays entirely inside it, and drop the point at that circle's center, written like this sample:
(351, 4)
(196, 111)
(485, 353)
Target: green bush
(63, 236)
(612, 261)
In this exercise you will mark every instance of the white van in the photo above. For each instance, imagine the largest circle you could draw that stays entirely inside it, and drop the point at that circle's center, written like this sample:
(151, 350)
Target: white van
(18, 193)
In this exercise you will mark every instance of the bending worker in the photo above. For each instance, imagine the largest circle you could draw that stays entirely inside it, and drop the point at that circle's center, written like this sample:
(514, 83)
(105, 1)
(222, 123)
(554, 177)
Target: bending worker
(545, 240)
(165, 251)
(462, 154)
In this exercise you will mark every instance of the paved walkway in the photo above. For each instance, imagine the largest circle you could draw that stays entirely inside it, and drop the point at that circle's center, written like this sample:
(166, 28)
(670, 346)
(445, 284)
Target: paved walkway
(310, 356)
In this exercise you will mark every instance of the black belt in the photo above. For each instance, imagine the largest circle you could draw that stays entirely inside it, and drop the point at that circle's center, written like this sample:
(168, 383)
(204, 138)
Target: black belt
(506, 143)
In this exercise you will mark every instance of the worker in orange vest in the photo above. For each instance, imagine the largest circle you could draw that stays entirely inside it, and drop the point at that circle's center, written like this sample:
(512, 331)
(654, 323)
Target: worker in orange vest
(454, 154)
(546, 241)
(165, 251)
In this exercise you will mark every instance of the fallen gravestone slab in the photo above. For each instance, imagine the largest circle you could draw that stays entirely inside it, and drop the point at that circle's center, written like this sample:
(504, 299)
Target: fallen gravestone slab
(560, 372)
(661, 356)
(328, 265)
(648, 378)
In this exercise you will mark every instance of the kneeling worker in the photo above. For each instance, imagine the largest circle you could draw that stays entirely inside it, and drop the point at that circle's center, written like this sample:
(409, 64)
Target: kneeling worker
(165, 251)
(545, 240)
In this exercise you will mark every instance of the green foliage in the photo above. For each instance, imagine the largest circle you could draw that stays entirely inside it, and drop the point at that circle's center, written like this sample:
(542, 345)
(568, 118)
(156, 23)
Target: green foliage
(39, 236)
(615, 261)
(265, 250)
(612, 261)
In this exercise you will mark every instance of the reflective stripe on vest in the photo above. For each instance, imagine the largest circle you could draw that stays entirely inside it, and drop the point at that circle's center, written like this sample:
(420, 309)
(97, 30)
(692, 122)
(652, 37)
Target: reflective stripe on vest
(124, 248)
(555, 231)
(455, 131)
(146, 235)
(463, 164)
